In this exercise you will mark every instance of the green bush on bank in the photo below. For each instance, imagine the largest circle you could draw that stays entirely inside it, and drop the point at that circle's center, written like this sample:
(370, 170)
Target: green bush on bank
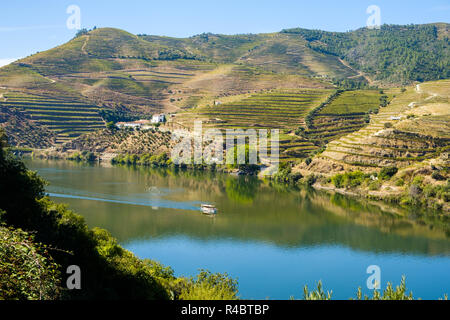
(161, 160)
(285, 175)
(420, 193)
(354, 179)
(349, 179)
(84, 156)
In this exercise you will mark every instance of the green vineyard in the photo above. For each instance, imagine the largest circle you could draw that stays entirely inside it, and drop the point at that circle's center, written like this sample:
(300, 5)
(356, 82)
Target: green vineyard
(347, 113)
(276, 109)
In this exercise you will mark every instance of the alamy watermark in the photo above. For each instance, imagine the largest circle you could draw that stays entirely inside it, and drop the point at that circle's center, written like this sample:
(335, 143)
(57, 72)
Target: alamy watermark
(242, 147)
(73, 22)
(74, 280)
(374, 280)
(374, 20)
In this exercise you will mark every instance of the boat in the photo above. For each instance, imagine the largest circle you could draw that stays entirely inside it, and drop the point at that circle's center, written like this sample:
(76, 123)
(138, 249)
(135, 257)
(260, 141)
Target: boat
(208, 209)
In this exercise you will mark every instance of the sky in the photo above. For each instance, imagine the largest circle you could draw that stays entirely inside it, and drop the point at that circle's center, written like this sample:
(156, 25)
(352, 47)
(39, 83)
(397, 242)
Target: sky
(27, 27)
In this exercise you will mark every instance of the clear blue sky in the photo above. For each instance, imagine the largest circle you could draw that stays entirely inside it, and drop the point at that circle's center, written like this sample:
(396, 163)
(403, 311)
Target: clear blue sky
(30, 26)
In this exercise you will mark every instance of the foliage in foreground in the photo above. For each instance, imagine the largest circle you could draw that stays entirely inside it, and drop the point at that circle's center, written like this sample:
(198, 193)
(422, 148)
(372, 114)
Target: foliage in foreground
(32, 267)
(211, 287)
(27, 271)
(390, 293)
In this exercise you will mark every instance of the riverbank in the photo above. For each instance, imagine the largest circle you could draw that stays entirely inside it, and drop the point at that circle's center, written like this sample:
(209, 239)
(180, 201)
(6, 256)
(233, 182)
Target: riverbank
(155, 214)
(147, 160)
(426, 186)
(34, 264)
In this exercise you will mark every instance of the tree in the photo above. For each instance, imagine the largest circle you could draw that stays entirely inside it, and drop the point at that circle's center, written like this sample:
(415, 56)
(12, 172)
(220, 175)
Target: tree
(111, 126)
(388, 172)
(81, 32)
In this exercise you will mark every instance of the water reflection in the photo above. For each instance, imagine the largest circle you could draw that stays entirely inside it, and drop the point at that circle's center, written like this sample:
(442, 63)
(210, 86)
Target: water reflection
(144, 203)
(274, 239)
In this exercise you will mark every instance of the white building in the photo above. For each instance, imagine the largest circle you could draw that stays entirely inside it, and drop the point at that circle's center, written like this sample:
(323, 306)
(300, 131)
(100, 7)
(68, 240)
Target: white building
(134, 124)
(157, 118)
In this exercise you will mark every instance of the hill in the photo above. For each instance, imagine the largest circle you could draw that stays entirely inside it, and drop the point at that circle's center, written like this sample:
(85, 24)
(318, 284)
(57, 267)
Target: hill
(401, 156)
(71, 87)
(22, 132)
(414, 127)
(396, 54)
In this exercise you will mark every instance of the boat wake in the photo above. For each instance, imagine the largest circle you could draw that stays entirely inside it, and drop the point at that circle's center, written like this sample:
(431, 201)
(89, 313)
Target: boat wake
(154, 203)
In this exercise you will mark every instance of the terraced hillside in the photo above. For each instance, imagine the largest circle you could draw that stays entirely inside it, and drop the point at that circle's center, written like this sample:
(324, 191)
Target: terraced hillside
(121, 142)
(155, 74)
(412, 129)
(271, 109)
(275, 109)
(24, 133)
(66, 117)
(253, 77)
(277, 52)
(346, 113)
(139, 86)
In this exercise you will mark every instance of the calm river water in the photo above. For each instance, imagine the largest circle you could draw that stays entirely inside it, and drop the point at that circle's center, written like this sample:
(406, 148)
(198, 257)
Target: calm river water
(274, 240)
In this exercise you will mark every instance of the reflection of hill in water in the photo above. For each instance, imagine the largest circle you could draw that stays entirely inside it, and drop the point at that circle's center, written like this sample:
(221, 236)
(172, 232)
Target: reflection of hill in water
(250, 210)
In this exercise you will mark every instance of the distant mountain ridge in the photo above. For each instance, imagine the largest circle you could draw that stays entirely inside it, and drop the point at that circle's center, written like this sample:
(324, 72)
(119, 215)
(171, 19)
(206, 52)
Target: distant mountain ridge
(398, 54)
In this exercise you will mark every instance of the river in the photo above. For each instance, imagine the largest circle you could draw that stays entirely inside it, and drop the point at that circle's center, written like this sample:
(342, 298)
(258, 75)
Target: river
(273, 239)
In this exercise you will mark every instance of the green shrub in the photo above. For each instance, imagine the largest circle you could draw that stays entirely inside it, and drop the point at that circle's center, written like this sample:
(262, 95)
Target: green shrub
(317, 294)
(310, 179)
(415, 191)
(437, 176)
(407, 201)
(436, 206)
(27, 271)
(348, 179)
(384, 101)
(387, 173)
(429, 191)
(285, 175)
(210, 286)
(374, 185)
(111, 126)
(399, 293)
(84, 156)
(338, 181)
(418, 180)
